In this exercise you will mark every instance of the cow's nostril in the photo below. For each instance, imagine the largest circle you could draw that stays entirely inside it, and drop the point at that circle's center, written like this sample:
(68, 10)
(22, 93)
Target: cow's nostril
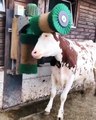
(35, 52)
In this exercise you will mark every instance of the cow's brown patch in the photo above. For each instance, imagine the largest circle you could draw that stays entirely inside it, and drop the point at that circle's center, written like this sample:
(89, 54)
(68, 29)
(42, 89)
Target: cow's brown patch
(69, 54)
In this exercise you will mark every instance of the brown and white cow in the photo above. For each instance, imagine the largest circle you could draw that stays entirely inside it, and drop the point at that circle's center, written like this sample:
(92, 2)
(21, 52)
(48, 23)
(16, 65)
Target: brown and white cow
(74, 61)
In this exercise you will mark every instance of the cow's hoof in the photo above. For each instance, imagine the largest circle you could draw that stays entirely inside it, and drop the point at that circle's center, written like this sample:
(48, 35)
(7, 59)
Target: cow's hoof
(46, 113)
(60, 118)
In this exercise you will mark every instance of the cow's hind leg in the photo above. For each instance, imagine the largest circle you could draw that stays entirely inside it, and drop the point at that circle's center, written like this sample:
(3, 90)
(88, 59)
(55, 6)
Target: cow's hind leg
(53, 94)
(63, 97)
(94, 70)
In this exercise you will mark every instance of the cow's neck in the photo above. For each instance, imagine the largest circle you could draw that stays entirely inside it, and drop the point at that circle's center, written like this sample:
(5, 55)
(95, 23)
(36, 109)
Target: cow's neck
(57, 60)
(69, 55)
(59, 56)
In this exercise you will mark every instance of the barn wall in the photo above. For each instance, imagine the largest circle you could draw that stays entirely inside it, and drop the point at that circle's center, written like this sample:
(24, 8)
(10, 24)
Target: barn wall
(2, 38)
(2, 44)
(85, 29)
(17, 90)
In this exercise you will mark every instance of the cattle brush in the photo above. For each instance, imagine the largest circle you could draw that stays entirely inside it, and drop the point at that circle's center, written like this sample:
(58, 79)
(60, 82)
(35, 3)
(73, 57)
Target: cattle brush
(57, 20)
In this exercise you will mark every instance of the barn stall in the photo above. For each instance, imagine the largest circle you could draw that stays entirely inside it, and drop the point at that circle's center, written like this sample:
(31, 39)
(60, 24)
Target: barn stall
(20, 89)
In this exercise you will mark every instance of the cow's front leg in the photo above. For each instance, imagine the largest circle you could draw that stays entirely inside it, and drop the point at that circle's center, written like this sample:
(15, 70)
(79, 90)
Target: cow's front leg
(53, 94)
(63, 97)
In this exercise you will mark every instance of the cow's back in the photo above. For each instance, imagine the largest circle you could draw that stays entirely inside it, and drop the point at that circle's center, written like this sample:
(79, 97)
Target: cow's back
(86, 61)
(82, 56)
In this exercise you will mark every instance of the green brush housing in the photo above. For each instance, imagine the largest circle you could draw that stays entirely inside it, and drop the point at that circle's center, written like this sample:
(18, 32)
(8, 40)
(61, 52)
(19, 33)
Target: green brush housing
(59, 20)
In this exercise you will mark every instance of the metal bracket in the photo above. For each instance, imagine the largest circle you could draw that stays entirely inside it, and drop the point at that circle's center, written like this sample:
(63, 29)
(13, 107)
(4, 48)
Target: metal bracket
(22, 21)
(11, 72)
(9, 29)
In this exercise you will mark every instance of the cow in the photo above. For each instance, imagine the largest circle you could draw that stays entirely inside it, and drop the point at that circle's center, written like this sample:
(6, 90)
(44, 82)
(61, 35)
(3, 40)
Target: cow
(72, 61)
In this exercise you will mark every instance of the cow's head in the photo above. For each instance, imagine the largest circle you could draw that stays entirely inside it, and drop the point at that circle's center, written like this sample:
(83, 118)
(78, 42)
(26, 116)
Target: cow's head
(47, 46)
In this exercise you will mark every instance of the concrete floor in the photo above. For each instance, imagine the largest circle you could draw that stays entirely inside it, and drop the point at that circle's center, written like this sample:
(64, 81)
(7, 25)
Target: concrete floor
(77, 107)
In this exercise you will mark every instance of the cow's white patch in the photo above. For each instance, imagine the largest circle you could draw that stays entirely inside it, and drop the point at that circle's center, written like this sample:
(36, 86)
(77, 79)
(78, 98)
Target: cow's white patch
(47, 46)
(61, 75)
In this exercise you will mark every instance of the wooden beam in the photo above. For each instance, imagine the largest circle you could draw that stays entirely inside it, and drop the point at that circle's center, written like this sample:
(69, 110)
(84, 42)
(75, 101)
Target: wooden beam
(11, 4)
(41, 5)
(77, 11)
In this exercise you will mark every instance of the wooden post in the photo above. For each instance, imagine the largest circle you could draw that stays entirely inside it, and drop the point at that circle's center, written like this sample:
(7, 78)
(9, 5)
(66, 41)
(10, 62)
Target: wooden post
(46, 5)
(41, 6)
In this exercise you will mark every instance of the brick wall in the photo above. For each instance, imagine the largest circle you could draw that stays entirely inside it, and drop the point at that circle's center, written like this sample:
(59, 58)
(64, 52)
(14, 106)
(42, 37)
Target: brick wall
(85, 29)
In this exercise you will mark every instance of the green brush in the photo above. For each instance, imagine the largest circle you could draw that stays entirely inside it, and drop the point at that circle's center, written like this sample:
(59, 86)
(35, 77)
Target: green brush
(28, 40)
(31, 10)
(34, 26)
(59, 19)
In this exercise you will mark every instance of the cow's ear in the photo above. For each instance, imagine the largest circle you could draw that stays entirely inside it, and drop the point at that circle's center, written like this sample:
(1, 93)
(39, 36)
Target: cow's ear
(56, 36)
